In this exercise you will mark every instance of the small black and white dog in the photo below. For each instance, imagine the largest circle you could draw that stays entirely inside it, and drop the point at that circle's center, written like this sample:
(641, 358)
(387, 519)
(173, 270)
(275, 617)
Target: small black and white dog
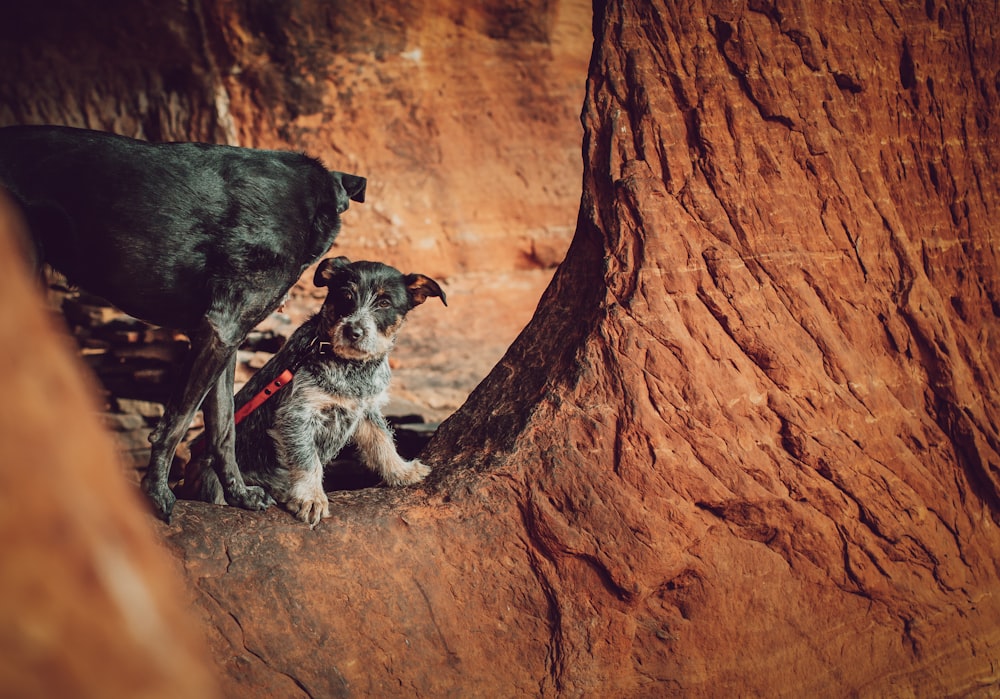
(335, 397)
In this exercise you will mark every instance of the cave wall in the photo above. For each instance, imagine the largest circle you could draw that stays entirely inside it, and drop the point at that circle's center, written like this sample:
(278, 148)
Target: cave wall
(138, 71)
(464, 117)
(757, 407)
(747, 446)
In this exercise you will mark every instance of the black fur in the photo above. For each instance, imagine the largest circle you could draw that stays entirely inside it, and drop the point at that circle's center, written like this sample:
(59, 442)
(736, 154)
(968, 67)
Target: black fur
(203, 238)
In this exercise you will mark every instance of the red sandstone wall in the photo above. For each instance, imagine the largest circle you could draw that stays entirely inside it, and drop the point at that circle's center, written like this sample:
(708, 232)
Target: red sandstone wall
(465, 118)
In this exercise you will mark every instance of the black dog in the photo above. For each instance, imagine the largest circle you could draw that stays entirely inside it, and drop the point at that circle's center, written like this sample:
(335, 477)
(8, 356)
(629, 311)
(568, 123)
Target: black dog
(341, 379)
(202, 238)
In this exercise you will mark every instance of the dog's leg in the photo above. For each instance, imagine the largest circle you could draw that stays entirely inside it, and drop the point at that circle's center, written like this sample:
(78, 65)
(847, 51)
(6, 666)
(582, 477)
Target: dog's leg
(306, 498)
(202, 483)
(220, 429)
(191, 385)
(378, 452)
(301, 489)
(309, 430)
(210, 354)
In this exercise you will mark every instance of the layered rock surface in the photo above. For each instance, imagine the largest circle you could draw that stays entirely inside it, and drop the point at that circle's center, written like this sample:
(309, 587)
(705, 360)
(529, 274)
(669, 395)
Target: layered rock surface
(465, 118)
(747, 445)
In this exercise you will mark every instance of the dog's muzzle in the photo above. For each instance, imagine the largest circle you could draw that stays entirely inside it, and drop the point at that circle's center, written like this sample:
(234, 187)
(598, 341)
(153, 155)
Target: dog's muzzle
(353, 332)
(358, 339)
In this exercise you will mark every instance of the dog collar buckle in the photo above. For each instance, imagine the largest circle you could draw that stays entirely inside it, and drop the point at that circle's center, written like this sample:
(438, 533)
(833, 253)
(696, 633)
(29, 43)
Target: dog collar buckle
(324, 349)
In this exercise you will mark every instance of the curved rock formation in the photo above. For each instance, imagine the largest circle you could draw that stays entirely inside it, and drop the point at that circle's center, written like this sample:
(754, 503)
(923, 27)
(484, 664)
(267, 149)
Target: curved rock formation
(747, 446)
(90, 605)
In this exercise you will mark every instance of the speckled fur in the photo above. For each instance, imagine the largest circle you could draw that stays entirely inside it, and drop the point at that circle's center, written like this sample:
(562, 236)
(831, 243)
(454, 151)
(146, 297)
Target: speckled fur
(335, 398)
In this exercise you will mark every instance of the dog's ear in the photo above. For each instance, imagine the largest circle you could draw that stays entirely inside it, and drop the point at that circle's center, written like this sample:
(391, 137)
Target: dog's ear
(421, 287)
(353, 185)
(328, 268)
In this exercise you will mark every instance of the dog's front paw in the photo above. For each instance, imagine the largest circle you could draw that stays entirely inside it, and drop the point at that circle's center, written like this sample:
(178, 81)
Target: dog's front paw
(310, 510)
(250, 497)
(307, 501)
(410, 473)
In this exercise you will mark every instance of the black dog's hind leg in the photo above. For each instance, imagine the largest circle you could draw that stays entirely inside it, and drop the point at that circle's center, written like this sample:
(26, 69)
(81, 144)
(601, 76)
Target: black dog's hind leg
(211, 354)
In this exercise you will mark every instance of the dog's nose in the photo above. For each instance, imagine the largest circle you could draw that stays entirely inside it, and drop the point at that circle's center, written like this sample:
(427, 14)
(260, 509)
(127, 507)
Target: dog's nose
(353, 332)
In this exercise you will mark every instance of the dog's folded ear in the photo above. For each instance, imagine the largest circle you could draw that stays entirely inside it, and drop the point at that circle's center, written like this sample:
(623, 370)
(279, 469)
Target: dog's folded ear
(353, 185)
(328, 268)
(421, 287)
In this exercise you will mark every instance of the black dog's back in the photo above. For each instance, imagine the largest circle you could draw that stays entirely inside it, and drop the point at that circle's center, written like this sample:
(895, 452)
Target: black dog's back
(164, 230)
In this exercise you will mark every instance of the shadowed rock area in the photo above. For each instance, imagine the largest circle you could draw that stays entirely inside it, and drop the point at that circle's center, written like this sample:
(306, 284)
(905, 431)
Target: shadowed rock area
(748, 444)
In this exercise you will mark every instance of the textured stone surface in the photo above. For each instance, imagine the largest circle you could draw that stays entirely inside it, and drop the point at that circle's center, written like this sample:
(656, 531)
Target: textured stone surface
(90, 605)
(464, 117)
(748, 444)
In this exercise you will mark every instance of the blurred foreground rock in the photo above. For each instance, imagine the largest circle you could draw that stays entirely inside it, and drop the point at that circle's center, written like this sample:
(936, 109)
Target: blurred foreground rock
(90, 604)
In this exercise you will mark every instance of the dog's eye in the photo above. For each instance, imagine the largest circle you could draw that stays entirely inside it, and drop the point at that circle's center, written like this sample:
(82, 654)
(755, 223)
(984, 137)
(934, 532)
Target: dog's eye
(347, 295)
(383, 303)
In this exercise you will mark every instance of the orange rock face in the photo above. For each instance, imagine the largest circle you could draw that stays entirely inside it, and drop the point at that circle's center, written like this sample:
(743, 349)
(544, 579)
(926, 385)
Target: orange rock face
(465, 119)
(769, 439)
(748, 444)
